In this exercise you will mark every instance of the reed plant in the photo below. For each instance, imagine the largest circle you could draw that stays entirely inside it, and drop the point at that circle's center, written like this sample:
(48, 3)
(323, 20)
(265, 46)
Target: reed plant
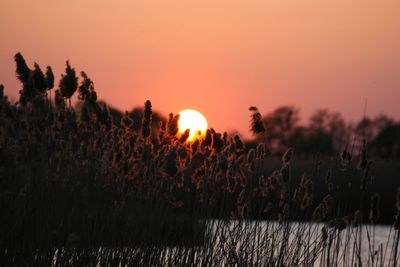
(79, 189)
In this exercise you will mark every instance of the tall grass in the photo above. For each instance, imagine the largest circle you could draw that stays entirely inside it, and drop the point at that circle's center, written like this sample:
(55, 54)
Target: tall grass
(76, 189)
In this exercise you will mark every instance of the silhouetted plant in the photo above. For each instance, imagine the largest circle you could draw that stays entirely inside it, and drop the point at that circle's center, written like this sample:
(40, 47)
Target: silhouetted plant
(39, 79)
(80, 188)
(68, 82)
(257, 125)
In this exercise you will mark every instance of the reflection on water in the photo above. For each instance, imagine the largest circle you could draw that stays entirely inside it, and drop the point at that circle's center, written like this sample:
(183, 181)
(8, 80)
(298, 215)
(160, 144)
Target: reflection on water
(257, 243)
(306, 244)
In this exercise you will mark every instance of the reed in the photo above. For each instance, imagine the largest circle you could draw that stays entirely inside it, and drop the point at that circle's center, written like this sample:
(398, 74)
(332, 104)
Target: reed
(78, 188)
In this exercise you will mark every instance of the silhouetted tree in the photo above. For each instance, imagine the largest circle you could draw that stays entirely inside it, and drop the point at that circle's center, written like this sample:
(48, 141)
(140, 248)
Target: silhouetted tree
(280, 125)
(387, 143)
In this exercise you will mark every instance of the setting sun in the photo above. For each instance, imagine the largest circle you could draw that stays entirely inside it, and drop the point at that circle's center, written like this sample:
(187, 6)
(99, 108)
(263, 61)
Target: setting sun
(193, 120)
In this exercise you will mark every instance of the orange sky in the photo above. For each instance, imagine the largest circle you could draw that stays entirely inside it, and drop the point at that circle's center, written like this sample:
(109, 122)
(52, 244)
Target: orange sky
(216, 56)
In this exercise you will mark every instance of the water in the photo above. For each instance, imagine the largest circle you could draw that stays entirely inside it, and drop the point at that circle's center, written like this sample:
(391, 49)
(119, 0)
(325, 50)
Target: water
(308, 244)
(260, 243)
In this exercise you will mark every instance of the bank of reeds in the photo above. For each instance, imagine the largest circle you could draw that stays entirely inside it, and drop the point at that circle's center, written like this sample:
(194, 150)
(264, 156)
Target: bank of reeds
(76, 189)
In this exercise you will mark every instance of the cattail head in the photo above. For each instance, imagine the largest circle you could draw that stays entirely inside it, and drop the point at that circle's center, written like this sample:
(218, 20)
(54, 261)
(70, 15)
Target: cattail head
(398, 199)
(147, 113)
(184, 136)
(126, 121)
(287, 157)
(147, 118)
(173, 127)
(260, 151)
(217, 143)
(49, 78)
(207, 139)
(195, 146)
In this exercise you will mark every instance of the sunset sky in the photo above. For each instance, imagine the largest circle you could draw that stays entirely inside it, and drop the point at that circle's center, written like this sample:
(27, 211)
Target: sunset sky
(216, 56)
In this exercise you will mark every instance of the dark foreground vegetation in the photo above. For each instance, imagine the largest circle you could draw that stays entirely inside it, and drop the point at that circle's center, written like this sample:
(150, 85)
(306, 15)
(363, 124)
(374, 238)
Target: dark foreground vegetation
(79, 187)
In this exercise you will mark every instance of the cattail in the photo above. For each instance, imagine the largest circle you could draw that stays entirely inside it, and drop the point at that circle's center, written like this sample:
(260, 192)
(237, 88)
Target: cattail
(217, 142)
(287, 157)
(23, 72)
(207, 140)
(194, 146)
(49, 78)
(184, 136)
(398, 199)
(39, 79)
(147, 117)
(238, 143)
(126, 121)
(173, 127)
(260, 151)
(225, 138)
(68, 82)
(374, 209)
(256, 125)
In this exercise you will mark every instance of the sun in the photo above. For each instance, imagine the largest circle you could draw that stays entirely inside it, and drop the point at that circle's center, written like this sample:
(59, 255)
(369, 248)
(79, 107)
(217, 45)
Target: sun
(193, 120)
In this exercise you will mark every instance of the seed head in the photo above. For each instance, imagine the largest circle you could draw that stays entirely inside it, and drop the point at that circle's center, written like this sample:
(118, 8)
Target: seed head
(287, 157)
(49, 78)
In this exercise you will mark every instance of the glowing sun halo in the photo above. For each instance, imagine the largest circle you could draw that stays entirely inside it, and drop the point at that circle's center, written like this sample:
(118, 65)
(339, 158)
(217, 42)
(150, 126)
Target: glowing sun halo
(193, 120)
